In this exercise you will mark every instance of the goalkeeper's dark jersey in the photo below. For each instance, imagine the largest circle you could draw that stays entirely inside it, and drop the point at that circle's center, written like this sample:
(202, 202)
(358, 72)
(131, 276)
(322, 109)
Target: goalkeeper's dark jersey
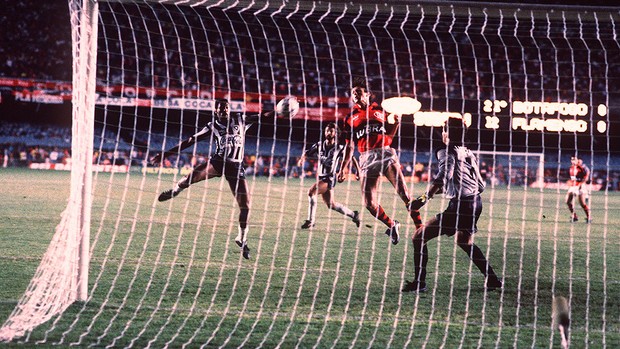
(458, 173)
(229, 137)
(330, 157)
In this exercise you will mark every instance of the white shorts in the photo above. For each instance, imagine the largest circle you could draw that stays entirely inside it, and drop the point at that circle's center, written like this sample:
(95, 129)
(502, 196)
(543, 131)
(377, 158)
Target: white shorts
(374, 162)
(579, 190)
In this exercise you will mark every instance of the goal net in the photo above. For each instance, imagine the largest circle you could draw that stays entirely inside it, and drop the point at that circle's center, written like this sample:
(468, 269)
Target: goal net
(536, 85)
(512, 168)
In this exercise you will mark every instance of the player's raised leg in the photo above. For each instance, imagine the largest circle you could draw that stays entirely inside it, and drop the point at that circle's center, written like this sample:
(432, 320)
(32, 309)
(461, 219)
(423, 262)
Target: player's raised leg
(585, 207)
(396, 177)
(200, 173)
(571, 208)
(369, 189)
(240, 190)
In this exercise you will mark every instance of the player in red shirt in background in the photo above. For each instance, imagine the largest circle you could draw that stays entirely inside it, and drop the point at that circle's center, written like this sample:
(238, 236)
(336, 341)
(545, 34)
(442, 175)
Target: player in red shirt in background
(579, 180)
(368, 127)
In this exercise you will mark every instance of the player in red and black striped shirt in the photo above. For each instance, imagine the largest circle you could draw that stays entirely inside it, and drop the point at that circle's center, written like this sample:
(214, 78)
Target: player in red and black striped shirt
(578, 186)
(372, 130)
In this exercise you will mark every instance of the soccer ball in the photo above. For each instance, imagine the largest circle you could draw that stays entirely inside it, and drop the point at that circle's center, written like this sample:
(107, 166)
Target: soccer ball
(287, 107)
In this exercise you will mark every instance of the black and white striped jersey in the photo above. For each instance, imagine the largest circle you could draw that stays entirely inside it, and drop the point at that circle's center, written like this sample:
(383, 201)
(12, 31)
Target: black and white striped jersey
(459, 174)
(329, 156)
(229, 137)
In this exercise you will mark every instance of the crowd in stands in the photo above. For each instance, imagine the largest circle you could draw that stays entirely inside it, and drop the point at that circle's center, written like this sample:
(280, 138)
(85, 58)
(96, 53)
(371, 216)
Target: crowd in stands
(302, 56)
(475, 59)
(423, 56)
(36, 40)
(14, 132)
(42, 147)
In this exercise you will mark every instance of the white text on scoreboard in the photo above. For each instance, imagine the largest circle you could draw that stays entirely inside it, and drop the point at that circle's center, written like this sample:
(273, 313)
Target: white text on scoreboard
(545, 116)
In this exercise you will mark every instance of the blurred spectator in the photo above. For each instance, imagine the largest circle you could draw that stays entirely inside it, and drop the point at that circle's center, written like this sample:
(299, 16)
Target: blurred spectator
(418, 171)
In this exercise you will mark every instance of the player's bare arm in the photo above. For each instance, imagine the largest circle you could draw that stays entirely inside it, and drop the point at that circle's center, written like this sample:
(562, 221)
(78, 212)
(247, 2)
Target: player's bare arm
(157, 159)
(301, 160)
(392, 119)
(586, 178)
(358, 170)
(346, 162)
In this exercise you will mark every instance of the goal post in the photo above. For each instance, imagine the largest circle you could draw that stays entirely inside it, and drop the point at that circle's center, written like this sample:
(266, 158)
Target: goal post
(513, 168)
(62, 276)
(84, 85)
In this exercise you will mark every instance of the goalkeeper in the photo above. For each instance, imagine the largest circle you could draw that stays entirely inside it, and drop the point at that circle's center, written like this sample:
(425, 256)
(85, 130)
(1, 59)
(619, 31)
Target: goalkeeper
(460, 179)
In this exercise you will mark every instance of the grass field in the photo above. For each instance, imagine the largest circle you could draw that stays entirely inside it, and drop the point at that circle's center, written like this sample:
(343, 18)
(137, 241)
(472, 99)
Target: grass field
(169, 274)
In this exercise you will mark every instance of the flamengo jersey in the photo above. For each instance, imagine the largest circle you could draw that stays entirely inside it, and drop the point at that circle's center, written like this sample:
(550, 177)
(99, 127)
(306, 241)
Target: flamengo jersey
(229, 137)
(328, 155)
(368, 128)
(459, 173)
(578, 174)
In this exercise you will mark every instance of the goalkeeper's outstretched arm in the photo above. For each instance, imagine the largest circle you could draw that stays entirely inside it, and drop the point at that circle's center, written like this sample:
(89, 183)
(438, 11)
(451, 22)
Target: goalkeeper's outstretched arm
(434, 189)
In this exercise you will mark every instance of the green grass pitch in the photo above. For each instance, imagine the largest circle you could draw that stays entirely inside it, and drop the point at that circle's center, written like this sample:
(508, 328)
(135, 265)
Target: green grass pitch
(171, 273)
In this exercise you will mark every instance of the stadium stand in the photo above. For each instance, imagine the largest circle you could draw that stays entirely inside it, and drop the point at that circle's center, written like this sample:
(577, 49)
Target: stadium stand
(35, 47)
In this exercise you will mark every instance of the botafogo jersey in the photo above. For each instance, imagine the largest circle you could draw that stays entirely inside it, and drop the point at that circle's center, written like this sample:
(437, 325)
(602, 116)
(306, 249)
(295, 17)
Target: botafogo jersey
(459, 174)
(229, 136)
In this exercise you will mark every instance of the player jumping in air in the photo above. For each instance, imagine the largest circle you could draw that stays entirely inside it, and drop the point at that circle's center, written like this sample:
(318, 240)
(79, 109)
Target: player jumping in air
(579, 180)
(329, 153)
(368, 127)
(228, 132)
(460, 178)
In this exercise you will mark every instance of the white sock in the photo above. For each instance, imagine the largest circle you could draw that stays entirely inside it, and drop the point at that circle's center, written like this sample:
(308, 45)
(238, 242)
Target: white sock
(338, 207)
(242, 236)
(177, 188)
(311, 208)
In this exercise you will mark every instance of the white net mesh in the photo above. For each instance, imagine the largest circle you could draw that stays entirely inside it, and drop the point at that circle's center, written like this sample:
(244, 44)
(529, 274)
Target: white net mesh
(57, 282)
(535, 85)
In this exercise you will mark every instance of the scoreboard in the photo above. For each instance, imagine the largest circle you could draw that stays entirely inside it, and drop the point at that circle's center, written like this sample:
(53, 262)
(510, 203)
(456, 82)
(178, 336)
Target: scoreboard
(543, 117)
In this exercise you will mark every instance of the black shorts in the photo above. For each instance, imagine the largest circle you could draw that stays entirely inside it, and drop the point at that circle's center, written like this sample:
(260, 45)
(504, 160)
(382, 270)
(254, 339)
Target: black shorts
(229, 169)
(329, 179)
(461, 214)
